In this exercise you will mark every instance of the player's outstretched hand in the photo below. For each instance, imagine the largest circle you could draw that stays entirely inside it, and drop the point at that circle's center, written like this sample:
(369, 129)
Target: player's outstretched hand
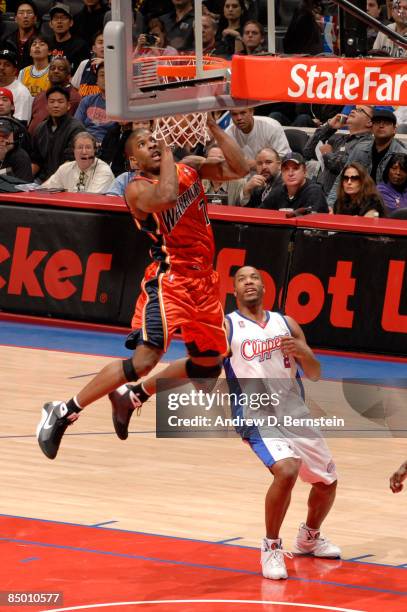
(210, 121)
(396, 480)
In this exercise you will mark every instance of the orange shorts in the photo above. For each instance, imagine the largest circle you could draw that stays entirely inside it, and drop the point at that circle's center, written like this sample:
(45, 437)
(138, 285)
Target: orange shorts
(187, 302)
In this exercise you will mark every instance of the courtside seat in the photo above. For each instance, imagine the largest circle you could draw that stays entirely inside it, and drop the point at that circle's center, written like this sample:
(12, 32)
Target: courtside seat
(297, 139)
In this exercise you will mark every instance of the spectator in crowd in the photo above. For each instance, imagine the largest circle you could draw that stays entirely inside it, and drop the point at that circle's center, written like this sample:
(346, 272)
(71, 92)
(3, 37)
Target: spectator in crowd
(393, 187)
(357, 193)
(374, 155)
(7, 112)
(157, 28)
(382, 42)
(53, 138)
(63, 43)
(209, 35)
(255, 133)
(179, 25)
(89, 20)
(222, 192)
(87, 173)
(376, 9)
(20, 41)
(234, 15)
(259, 187)
(35, 77)
(304, 33)
(84, 79)
(155, 42)
(253, 38)
(296, 191)
(336, 148)
(118, 186)
(14, 160)
(22, 97)
(92, 109)
(59, 74)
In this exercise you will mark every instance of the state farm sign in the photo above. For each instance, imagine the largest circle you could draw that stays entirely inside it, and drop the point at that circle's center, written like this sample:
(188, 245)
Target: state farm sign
(325, 80)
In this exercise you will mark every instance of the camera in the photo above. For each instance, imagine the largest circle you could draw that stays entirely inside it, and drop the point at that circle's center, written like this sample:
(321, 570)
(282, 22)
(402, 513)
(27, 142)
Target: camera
(151, 40)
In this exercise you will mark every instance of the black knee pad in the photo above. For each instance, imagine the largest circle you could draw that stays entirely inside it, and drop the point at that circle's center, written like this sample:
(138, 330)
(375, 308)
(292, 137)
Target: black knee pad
(197, 372)
(129, 371)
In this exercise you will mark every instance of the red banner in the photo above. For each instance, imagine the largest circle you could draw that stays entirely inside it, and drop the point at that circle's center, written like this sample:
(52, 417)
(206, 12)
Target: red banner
(325, 80)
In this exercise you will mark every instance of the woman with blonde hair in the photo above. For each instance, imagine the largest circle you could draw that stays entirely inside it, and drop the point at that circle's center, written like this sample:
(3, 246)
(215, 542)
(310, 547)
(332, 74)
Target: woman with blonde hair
(357, 193)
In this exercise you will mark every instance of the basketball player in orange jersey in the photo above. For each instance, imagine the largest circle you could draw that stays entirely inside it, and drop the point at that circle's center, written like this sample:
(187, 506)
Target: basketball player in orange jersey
(180, 287)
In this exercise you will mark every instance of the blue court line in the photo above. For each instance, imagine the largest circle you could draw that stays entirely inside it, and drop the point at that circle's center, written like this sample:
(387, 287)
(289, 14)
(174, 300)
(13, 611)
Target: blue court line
(102, 524)
(111, 344)
(29, 559)
(170, 537)
(195, 565)
(358, 558)
(227, 541)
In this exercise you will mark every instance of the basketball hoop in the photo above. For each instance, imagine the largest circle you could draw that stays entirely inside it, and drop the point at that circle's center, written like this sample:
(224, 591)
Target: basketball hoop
(154, 70)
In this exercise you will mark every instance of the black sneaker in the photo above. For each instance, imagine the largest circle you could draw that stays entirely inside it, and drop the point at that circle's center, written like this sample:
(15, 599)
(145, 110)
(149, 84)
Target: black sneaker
(124, 402)
(52, 427)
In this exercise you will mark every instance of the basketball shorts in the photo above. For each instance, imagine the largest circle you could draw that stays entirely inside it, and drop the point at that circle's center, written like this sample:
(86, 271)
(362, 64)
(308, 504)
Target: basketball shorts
(172, 301)
(317, 464)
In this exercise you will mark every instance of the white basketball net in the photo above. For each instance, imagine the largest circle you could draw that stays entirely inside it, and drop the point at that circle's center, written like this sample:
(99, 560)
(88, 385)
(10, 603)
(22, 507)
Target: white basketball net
(182, 130)
(176, 130)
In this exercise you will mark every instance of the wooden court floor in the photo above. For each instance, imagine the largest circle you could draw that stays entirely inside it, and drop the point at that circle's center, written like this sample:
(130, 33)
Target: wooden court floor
(203, 489)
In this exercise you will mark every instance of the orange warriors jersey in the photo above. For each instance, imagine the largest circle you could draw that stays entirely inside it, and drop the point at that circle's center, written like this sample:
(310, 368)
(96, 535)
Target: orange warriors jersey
(182, 235)
(180, 289)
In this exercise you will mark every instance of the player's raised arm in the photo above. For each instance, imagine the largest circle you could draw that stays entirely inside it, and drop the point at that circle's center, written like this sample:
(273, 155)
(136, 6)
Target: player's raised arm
(159, 189)
(296, 346)
(234, 166)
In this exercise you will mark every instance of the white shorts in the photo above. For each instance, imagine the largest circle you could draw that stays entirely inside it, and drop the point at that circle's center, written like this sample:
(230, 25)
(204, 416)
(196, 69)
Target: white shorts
(317, 464)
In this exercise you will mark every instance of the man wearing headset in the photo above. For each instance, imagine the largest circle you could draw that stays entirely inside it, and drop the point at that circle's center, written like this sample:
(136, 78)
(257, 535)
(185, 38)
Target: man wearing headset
(14, 160)
(87, 173)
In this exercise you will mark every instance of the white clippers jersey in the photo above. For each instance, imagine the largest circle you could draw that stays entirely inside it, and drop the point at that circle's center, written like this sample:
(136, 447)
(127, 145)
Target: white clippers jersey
(256, 348)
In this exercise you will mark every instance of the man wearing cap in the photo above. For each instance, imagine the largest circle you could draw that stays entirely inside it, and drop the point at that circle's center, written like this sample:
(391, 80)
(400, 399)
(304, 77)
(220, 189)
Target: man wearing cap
(375, 155)
(22, 97)
(63, 43)
(20, 41)
(7, 112)
(14, 160)
(296, 191)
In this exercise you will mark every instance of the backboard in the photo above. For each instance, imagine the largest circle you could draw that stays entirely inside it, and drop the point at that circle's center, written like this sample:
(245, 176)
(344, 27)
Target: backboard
(130, 97)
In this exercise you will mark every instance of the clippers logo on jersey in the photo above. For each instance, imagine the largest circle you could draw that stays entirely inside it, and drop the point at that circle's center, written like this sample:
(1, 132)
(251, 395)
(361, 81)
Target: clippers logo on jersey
(250, 349)
(184, 201)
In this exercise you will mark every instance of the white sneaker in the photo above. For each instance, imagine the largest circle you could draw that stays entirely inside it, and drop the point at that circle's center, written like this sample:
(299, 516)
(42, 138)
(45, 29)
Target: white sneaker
(272, 560)
(308, 543)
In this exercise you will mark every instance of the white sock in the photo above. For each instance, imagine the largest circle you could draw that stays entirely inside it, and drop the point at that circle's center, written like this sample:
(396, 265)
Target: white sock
(270, 542)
